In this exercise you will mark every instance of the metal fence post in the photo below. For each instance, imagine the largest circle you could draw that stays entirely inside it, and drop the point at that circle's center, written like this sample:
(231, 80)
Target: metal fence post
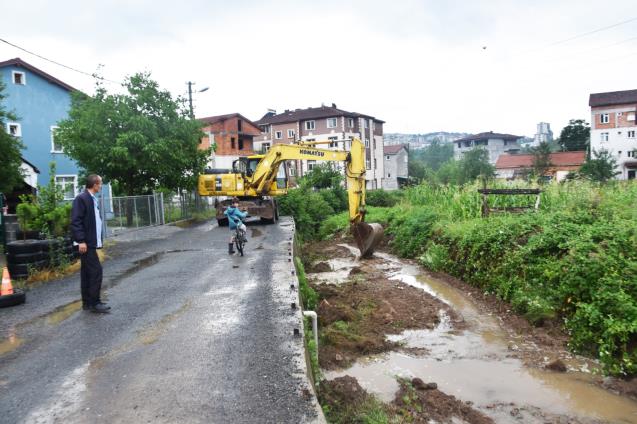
(135, 209)
(163, 217)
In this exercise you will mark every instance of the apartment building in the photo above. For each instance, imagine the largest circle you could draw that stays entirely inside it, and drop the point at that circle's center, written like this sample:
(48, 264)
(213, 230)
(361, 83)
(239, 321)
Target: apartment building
(613, 128)
(543, 134)
(233, 135)
(495, 143)
(322, 124)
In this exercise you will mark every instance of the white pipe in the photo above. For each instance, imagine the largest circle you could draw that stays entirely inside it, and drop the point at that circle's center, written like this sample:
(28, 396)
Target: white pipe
(314, 317)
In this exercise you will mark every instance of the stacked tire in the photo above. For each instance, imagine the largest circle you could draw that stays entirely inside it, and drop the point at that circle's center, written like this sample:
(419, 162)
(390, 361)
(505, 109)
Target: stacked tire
(25, 255)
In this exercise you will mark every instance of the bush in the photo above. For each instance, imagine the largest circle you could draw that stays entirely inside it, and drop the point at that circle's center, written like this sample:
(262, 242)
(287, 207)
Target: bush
(382, 198)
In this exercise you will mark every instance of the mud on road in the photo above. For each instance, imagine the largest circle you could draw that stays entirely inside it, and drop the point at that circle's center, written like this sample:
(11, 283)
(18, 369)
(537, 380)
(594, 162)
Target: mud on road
(406, 345)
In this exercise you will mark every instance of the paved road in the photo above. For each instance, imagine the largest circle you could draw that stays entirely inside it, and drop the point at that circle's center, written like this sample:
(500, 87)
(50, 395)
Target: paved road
(195, 336)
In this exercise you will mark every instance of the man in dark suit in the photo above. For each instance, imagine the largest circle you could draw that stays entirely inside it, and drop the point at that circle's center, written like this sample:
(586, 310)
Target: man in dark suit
(86, 229)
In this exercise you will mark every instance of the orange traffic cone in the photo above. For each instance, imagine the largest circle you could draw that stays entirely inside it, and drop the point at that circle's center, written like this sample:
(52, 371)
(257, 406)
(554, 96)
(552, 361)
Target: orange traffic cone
(6, 287)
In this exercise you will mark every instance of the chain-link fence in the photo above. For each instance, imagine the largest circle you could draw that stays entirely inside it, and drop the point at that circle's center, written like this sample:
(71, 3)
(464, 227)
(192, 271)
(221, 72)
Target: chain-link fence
(132, 212)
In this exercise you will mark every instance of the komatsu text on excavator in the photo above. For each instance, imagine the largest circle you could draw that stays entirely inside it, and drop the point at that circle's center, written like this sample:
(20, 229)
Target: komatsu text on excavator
(256, 180)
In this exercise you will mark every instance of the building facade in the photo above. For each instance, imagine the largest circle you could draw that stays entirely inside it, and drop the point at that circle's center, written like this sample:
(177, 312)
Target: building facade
(613, 127)
(543, 134)
(395, 166)
(325, 123)
(495, 143)
(233, 135)
(40, 101)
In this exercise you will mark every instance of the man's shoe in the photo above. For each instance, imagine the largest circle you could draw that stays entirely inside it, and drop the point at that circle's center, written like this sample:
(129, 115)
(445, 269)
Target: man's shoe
(103, 304)
(99, 309)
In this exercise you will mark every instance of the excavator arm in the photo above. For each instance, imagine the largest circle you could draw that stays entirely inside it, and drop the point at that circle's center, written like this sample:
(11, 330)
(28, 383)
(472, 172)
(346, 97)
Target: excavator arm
(367, 235)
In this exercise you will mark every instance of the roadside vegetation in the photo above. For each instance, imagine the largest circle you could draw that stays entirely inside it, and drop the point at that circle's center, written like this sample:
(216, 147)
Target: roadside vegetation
(574, 260)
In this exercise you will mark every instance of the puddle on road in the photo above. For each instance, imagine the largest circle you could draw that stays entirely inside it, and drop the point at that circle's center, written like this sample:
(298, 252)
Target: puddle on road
(11, 343)
(63, 312)
(256, 232)
(475, 364)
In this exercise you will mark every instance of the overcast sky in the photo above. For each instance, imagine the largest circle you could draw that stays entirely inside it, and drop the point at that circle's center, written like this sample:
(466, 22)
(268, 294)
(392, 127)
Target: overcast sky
(421, 66)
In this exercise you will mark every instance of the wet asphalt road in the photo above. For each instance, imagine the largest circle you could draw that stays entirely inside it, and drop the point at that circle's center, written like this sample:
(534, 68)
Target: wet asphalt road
(195, 335)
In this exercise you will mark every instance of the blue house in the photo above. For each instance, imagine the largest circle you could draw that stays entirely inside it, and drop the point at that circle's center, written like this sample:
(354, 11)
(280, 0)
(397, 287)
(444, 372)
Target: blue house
(39, 101)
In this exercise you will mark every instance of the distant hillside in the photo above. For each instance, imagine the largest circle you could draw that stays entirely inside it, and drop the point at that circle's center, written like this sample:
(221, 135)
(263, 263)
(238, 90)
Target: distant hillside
(419, 141)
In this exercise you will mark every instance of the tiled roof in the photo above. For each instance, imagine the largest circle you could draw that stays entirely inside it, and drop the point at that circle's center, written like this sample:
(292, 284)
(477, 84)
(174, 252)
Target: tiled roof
(489, 136)
(255, 130)
(309, 113)
(21, 63)
(394, 148)
(613, 98)
(506, 160)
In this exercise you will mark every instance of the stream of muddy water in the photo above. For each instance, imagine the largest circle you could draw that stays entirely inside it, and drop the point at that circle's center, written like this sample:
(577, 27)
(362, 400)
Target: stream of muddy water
(475, 364)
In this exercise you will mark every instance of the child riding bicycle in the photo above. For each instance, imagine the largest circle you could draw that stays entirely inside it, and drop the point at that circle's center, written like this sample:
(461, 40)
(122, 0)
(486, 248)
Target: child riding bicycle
(235, 218)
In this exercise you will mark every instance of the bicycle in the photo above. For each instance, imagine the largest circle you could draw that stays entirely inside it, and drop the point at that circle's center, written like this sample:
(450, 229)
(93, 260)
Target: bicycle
(240, 238)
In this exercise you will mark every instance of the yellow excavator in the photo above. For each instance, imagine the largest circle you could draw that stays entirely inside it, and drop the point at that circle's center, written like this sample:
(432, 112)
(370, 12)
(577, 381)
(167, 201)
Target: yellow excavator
(256, 180)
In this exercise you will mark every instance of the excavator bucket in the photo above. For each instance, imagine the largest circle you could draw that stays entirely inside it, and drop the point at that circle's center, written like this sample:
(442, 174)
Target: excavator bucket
(367, 237)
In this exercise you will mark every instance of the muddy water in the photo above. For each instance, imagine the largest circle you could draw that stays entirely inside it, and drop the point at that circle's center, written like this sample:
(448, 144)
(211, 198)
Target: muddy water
(476, 364)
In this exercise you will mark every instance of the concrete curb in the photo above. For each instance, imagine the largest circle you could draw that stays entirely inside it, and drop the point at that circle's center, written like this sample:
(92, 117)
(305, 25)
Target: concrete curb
(287, 291)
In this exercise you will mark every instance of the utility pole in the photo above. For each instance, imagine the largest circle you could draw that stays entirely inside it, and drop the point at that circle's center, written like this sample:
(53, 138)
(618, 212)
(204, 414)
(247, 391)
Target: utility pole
(190, 84)
(192, 114)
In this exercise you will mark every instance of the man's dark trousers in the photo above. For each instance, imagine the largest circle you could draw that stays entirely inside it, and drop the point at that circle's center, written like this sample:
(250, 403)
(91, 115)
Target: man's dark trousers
(90, 277)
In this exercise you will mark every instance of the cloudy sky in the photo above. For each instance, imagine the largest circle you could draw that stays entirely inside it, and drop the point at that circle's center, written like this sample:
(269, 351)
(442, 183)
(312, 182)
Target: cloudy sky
(419, 65)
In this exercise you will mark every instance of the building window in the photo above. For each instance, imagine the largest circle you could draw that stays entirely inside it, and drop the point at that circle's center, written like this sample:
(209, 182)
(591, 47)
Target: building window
(374, 142)
(19, 78)
(350, 122)
(388, 175)
(239, 125)
(631, 134)
(309, 125)
(459, 145)
(240, 144)
(368, 164)
(265, 147)
(14, 129)
(387, 157)
(311, 164)
(375, 164)
(631, 116)
(365, 123)
(68, 185)
(291, 134)
(292, 170)
(632, 154)
(604, 136)
(278, 135)
(55, 147)
(333, 141)
(232, 142)
(367, 142)
(604, 118)
(331, 122)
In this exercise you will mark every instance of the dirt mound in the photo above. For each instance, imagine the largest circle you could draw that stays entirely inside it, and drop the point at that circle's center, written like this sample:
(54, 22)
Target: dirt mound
(320, 267)
(428, 404)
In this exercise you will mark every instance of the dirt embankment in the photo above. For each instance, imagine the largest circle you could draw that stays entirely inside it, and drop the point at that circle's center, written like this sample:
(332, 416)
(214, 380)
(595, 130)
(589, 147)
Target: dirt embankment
(356, 315)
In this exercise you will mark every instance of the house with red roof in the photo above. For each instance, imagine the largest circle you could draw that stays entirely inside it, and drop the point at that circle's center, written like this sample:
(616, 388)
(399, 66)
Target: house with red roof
(512, 166)
(233, 134)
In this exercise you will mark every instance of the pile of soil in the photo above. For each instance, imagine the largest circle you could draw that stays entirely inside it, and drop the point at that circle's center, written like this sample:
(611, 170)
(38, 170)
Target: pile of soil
(356, 316)
(347, 401)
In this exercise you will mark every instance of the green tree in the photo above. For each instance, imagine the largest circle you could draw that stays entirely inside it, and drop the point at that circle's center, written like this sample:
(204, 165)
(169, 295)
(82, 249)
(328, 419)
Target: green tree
(10, 151)
(575, 136)
(541, 159)
(324, 175)
(141, 141)
(601, 168)
(475, 164)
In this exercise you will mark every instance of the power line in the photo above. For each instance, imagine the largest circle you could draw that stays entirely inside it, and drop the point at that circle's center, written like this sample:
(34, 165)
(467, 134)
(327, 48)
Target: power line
(58, 63)
(591, 32)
